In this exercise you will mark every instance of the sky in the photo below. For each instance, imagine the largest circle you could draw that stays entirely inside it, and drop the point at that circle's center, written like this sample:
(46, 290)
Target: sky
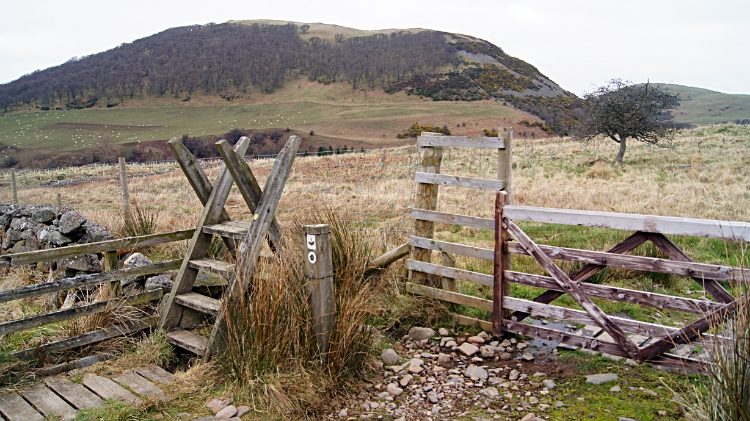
(578, 44)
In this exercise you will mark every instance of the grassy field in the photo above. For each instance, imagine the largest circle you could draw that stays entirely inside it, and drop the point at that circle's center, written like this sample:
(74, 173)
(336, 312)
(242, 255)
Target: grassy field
(703, 106)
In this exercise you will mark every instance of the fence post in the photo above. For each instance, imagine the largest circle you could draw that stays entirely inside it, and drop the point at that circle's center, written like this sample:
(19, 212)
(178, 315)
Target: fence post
(59, 200)
(13, 185)
(124, 187)
(501, 264)
(319, 271)
(505, 161)
(430, 158)
(112, 263)
(448, 260)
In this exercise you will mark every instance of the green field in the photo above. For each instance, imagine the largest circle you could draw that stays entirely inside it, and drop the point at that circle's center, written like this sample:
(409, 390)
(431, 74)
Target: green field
(702, 106)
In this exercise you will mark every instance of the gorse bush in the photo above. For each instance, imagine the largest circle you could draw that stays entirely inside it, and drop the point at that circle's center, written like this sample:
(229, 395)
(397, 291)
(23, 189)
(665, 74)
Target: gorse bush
(416, 129)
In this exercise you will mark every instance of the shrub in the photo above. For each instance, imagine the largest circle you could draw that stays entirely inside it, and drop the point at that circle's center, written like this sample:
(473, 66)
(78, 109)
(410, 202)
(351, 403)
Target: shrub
(234, 135)
(312, 133)
(416, 129)
(490, 133)
(10, 161)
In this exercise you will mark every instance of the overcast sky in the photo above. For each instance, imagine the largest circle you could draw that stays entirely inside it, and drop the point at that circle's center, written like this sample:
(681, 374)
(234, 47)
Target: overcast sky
(578, 44)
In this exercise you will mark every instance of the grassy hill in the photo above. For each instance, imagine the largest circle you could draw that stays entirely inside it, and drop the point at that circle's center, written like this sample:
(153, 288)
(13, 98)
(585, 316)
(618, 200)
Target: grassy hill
(703, 106)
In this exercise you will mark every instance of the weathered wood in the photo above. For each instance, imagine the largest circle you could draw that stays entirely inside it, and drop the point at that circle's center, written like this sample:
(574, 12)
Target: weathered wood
(457, 181)
(250, 190)
(47, 402)
(155, 374)
(107, 389)
(447, 260)
(86, 338)
(86, 280)
(13, 185)
(194, 343)
(14, 408)
(250, 248)
(199, 302)
(722, 230)
(461, 141)
(470, 321)
(564, 338)
(320, 287)
(449, 218)
(74, 393)
(100, 247)
(233, 229)
(464, 275)
(99, 307)
(213, 266)
(453, 248)
(430, 158)
(499, 265)
(139, 385)
(505, 162)
(111, 264)
(710, 285)
(388, 258)
(124, 188)
(199, 243)
(198, 181)
(573, 289)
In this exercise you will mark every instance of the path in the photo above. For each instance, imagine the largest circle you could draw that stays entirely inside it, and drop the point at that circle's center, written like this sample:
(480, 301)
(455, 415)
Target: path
(63, 398)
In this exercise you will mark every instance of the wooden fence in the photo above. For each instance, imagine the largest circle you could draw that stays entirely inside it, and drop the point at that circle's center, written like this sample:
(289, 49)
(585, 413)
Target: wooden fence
(621, 337)
(111, 277)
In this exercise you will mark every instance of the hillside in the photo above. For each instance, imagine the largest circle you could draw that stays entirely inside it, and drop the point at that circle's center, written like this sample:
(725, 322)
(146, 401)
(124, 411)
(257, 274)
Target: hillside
(703, 106)
(349, 86)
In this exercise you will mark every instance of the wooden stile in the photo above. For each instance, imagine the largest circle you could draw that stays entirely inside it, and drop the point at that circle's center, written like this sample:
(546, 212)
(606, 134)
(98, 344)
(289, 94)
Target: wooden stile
(500, 265)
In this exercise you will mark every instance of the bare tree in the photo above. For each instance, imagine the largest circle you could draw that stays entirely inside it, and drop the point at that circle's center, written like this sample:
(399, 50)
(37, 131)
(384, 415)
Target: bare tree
(304, 28)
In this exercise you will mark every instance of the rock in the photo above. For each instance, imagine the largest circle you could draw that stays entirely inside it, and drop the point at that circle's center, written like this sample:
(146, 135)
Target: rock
(406, 380)
(215, 405)
(490, 392)
(476, 340)
(522, 345)
(527, 357)
(505, 343)
(394, 390)
(451, 344)
(624, 419)
(43, 214)
(650, 393)
(389, 356)
(662, 413)
(602, 378)
(84, 263)
(158, 282)
(559, 404)
(57, 238)
(343, 413)
(487, 352)
(443, 332)
(513, 376)
(533, 400)
(529, 417)
(95, 233)
(615, 389)
(136, 260)
(421, 333)
(432, 397)
(549, 384)
(505, 356)
(70, 221)
(227, 412)
(468, 349)
(242, 411)
(477, 372)
(444, 360)
(539, 374)
(414, 369)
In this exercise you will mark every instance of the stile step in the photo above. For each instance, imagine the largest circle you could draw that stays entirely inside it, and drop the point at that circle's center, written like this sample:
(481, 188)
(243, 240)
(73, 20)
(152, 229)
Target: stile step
(232, 229)
(199, 302)
(211, 265)
(187, 340)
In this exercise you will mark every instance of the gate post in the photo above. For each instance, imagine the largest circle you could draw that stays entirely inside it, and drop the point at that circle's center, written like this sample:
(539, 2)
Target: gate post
(319, 271)
(501, 264)
(430, 158)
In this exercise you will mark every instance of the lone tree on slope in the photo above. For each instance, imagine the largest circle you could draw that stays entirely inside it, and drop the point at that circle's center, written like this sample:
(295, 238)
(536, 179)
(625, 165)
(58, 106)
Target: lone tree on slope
(621, 110)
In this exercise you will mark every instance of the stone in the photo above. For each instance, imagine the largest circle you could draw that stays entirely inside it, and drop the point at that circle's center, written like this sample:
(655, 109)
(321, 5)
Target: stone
(624, 419)
(85, 263)
(468, 349)
(527, 357)
(242, 411)
(539, 374)
(432, 397)
(559, 404)
(615, 389)
(477, 372)
(444, 360)
(487, 352)
(421, 333)
(136, 260)
(95, 233)
(529, 417)
(414, 369)
(476, 340)
(227, 412)
(70, 221)
(393, 389)
(513, 375)
(443, 332)
(533, 400)
(389, 356)
(343, 413)
(549, 384)
(650, 393)
(505, 356)
(406, 380)
(158, 282)
(451, 344)
(57, 238)
(490, 392)
(522, 345)
(599, 379)
(215, 405)
(43, 214)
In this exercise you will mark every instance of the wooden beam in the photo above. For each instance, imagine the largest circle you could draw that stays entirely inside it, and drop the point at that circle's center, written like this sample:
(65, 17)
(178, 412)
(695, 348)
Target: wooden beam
(451, 219)
(573, 289)
(388, 258)
(86, 280)
(99, 247)
(499, 266)
(249, 189)
(722, 230)
(457, 181)
(430, 160)
(461, 142)
(99, 307)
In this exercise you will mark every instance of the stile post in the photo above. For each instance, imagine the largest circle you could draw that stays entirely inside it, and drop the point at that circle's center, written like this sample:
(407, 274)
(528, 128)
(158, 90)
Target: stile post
(430, 158)
(319, 271)
(59, 200)
(124, 187)
(13, 185)
(502, 261)
(448, 260)
(505, 161)
(112, 263)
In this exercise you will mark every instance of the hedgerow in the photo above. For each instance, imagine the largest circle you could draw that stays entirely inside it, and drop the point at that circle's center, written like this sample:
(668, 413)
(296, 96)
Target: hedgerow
(416, 129)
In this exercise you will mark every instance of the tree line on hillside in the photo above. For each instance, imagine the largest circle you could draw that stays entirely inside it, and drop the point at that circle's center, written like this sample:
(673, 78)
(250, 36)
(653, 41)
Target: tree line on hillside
(226, 59)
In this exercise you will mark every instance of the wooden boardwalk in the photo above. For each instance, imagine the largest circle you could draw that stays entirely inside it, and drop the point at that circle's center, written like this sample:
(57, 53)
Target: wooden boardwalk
(60, 397)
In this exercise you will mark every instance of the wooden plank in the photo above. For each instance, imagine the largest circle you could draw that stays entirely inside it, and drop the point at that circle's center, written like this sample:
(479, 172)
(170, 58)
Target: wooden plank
(139, 385)
(430, 160)
(156, 374)
(451, 219)
(100, 247)
(199, 302)
(213, 266)
(500, 263)
(470, 321)
(74, 393)
(464, 275)
(674, 252)
(573, 289)
(227, 229)
(448, 260)
(722, 230)
(14, 408)
(198, 181)
(47, 402)
(250, 190)
(86, 338)
(107, 389)
(453, 248)
(86, 280)
(458, 181)
(251, 246)
(568, 339)
(99, 307)
(388, 258)
(199, 243)
(190, 341)
(461, 142)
